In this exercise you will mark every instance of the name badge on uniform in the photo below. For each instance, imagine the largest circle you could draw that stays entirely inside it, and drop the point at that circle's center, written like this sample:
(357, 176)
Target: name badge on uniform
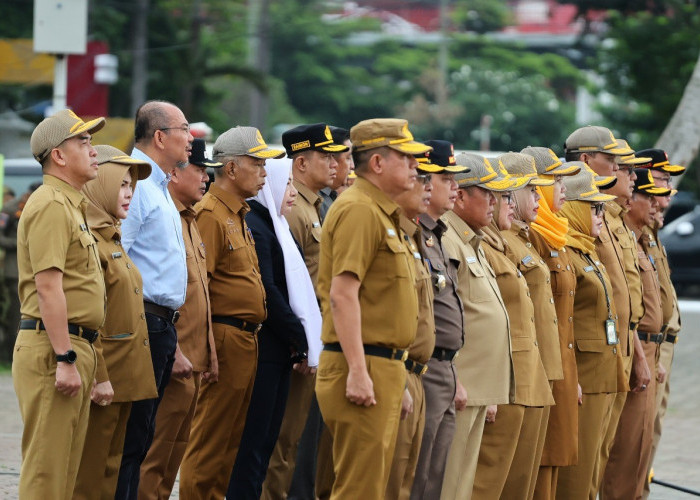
(316, 224)
(554, 253)
(610, 332)
(653, 263)
(416, 255)
(83, 227)
(116, 255)
(471, 260)
(526, 259)
(588, 269)
(390, 232)
(652, 243)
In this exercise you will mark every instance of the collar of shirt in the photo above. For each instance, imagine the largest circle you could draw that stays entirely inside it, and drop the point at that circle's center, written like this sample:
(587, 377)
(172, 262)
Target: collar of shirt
(108, 233)
(437, 227)
(386, 204)
(615, 209)
(463, 230)
(329, 193)
(186, 213)
(157, 176)
(311, 197)
(74, 196)
(521, 229)
(232, 202)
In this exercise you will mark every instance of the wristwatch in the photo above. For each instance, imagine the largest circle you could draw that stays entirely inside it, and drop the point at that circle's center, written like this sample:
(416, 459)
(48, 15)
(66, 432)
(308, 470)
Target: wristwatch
(69, 357)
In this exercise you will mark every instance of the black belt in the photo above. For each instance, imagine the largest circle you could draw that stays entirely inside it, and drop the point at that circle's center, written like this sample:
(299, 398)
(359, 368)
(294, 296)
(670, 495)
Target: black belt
(415, 367)
(77, 330)
(442, 354)
(373, 350)
(670, 337)
(161, 311)
(237, 323)
(633, 326)
(656, 338)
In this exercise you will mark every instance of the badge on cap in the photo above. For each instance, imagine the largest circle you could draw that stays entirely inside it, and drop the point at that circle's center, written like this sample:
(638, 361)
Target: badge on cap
(390, 232)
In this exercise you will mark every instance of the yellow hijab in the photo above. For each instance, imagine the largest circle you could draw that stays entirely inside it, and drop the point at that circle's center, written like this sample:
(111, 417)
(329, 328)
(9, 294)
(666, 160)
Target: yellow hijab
(579, 236)
(103, 195)
(550, 225)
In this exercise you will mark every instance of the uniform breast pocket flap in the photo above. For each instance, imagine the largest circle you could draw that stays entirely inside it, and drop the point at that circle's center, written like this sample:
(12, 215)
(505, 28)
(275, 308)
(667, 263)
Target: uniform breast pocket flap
(644, 263)
(591, 345)
(519, 344)
(475, 269)
(238, 259)
(395, 255)
(316, 232)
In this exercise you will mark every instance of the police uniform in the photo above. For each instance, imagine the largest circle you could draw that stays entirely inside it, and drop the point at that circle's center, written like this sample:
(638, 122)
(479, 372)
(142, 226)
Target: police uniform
(500, 439)
(232, 269)
(362, 236)
(484, 363)
(410, 433)
(196, 339)
(55, 425)
(122, 348)
(528, 454)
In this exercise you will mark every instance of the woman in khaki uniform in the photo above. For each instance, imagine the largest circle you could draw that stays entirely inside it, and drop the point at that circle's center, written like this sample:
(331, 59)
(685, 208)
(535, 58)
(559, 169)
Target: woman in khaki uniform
(123, 355)
(548, 237)
(503, 429)
(595, 333)
(523, 472)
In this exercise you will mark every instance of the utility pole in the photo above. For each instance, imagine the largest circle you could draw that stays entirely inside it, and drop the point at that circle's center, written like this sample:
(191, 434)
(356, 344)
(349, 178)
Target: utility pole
(441, 92)
(139, 68)
(258, 56)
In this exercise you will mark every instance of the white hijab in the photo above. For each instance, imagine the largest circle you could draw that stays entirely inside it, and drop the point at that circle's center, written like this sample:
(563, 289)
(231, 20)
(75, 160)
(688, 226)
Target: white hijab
(302, 298)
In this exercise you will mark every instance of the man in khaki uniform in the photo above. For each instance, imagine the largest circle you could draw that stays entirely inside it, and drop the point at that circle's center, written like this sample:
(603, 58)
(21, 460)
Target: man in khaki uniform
(237, 299)
(442, 392)
(410, 433)
(662, 170)
(195, 355)
(483, 365)
(312, 150)
(62, 296)
(631, 452)
(365, 271)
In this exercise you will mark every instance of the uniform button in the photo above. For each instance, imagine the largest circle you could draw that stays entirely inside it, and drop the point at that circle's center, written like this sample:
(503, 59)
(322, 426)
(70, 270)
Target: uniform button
(614, 350)
(528, 244)
(535, 342)
(555, 321)
(528, 294)
(143, 316)
(532, 319)
(547, 280)
(568, 268)
(558, 266)
(571, 293)
(571, 319)
(145, 342)
(136, 290)
(128, 265)
(571, 346)
(563, 250)
(551, 301)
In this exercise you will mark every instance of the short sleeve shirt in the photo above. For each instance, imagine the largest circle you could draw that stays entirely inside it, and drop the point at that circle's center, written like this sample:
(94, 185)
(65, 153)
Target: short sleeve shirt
(362, 236)
(305, 224)
(53, 233)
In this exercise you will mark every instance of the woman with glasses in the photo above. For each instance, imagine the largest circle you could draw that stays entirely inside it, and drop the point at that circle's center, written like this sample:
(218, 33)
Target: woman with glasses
(595, 331)
(504, 424)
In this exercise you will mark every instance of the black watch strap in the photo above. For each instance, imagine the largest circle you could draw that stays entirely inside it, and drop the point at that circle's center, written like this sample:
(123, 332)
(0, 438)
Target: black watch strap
(68, 357)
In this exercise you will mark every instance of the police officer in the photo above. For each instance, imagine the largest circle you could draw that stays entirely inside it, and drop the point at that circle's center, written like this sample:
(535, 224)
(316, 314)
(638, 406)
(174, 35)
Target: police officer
(232, 271)
(195, 354)
(366, 271)
(62, 297)
(484, 362)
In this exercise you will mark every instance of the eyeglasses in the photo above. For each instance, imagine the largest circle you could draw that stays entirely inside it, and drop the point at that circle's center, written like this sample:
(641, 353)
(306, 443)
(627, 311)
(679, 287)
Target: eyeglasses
(626, 169)
(507, 197)
(424, 178)
(184, 128)
(598, 208)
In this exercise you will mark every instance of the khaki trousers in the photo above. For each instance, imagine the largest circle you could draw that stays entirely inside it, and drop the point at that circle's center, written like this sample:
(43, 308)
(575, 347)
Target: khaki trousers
(324, 465)
(54, 425)
(497, 450)
(220, 416)
(662, 395)
(576, 481)
(102, 454)
(283, 460)
(520, 483)
(364, 438)
(546, 485)
(408, 441)
(630, 454)
(464, 454)
(173, 423)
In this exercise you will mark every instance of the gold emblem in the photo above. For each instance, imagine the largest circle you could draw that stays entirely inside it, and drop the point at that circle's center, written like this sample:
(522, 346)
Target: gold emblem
(259, 137)
(328, 134)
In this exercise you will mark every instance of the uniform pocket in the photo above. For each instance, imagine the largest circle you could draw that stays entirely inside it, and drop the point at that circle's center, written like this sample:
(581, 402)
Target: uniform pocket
(519, 344)
(590, 345)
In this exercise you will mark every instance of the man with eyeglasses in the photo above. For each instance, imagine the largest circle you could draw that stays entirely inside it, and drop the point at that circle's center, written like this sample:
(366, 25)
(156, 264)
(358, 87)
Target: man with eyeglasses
(627, 467)
(483, 366)
(662, 170)
(152, 236)
(636, 370)
(238, 307)
(443, 395)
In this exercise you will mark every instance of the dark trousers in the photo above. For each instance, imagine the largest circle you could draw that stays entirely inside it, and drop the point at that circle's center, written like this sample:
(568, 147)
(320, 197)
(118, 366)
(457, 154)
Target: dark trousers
(141, 426)
(304, 480)
(262, 427)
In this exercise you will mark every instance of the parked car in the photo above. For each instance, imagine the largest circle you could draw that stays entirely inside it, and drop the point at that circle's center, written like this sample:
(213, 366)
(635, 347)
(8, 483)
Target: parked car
(682, 240)
(20, 173)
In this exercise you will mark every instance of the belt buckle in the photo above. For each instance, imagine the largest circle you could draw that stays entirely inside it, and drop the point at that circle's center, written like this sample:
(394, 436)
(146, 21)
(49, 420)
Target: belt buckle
(93, 337)
(176, 316)
(424, 369)
(404, 356)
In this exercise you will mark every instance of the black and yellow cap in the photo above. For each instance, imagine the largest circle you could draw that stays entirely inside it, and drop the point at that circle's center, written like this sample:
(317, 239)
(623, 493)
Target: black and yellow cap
(314, 137)
(645, 183)
(441, 159)
(658, 160)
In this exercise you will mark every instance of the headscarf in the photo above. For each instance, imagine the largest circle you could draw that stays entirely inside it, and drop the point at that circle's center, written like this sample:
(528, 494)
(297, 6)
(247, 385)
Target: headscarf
(302, 298)
(551, 226)
(579, 235)
(102, 193)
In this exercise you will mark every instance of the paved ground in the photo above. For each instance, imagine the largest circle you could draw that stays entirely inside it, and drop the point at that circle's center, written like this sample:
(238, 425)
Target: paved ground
(677, 462)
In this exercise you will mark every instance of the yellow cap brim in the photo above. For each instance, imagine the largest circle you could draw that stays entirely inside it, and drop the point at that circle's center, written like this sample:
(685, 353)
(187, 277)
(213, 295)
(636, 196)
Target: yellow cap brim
(655, 191)
(674, 192)
(673, 169)
(457, 169)
(266, 154)
(92, 126)
(429, 168)
(605, 181)
(508, 184)
(541, 181)
(597, 197)
(564, 170)
(634, 160)
(333, 148)
(410, 147)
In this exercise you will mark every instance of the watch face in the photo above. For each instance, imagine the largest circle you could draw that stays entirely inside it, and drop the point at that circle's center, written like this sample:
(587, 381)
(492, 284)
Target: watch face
(71, 356)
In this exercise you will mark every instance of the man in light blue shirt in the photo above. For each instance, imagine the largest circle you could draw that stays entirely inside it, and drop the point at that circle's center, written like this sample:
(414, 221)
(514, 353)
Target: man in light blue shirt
(152, 236)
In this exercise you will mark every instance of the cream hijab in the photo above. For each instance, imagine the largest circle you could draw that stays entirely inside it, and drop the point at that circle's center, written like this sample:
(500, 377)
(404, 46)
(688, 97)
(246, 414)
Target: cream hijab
(302, 298)
(103, 195)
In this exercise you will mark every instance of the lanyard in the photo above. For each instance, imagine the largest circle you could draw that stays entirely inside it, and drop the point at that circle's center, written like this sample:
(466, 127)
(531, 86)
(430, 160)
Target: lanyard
(602, 280)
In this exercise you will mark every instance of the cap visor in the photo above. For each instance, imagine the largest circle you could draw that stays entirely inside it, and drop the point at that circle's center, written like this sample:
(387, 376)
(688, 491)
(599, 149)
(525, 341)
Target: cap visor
(122, 160)
(265, 154)
(673, 169)
(499, 185)
(619, 151)
(334, 148)
(143, 170)
(457, 169)
(429, 168)
(598, 197)
(410, 148)
(541, 181)
(516, 183)
(564, 170)
(674, 192)
(605, 182)
(211, 164)
(655, 191)
(635, 160)
(92, 126)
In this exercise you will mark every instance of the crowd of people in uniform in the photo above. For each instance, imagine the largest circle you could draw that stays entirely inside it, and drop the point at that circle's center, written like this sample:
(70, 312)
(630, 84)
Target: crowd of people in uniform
(375, 317)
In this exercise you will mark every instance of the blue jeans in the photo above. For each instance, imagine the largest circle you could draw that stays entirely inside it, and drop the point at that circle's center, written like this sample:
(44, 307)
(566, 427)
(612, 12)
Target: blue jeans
(141, 426)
